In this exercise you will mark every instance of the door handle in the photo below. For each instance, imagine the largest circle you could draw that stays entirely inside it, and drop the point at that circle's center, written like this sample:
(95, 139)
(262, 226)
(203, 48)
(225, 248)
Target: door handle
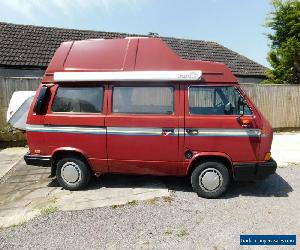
(192, 131)
(167, 131)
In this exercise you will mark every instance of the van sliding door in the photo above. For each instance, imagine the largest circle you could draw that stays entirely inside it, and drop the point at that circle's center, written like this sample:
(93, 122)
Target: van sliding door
(142, 128)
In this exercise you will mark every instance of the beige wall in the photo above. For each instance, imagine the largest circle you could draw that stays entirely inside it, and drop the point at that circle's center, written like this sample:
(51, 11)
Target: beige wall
(279, 103)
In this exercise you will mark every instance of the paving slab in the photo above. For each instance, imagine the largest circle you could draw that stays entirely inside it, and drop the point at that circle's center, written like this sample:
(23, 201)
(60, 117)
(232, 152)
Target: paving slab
(9, 158)
(110, 190)
(286, 148)
(30, 191)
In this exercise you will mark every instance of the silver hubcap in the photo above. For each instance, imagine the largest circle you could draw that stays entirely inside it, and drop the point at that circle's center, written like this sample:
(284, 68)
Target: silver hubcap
(210, 180)
(70, 172)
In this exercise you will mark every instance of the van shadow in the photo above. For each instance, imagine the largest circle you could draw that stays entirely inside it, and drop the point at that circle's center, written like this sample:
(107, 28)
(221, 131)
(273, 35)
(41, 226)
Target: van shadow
(273, 186)
(121, 181)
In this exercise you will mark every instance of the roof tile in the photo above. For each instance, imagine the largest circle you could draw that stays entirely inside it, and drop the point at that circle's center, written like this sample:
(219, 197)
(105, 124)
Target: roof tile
(34, 46)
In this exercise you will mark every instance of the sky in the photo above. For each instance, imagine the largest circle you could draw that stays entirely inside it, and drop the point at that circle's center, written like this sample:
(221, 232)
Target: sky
(235, 24)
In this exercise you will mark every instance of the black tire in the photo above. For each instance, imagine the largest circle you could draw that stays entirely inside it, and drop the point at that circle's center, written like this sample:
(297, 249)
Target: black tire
(66, 170)
(214, 170)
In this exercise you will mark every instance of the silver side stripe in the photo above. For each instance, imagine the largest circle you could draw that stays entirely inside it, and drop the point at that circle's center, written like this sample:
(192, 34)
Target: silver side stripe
(225, 132)
(66, 129)
(140, 131)
(134, 131)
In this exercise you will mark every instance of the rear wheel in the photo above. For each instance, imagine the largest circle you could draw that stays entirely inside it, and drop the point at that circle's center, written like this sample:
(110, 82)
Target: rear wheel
(210, 179)
(72, 173)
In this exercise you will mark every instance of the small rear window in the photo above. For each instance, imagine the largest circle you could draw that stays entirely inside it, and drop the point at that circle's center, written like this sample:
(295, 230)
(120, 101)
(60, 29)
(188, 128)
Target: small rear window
(78, 100)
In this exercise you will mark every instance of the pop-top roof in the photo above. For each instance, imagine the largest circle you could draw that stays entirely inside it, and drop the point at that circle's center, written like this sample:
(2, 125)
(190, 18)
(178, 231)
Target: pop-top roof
(129, 59)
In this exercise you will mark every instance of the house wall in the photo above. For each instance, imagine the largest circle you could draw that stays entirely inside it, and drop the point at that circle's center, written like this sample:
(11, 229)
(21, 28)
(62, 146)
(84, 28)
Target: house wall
(250, 80)
(14, 72)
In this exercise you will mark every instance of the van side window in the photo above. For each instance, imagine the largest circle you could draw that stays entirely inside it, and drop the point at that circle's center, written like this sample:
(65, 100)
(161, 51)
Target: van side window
(143, 100)
(215, 101)
(78, 99)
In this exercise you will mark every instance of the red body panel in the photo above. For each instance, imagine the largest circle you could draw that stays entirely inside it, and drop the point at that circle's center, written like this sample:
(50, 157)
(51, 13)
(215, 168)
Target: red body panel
(108, 151)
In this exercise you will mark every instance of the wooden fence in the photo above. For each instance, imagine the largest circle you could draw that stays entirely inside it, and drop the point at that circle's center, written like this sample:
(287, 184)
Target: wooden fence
(279, 103)
(7, 88)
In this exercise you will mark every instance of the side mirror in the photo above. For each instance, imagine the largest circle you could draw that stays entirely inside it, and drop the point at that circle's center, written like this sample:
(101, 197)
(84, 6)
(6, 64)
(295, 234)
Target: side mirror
(241, 105)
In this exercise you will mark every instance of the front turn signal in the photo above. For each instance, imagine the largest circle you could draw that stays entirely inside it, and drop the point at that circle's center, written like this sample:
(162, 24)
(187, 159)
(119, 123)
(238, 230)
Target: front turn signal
(267, 156)
(244, 122)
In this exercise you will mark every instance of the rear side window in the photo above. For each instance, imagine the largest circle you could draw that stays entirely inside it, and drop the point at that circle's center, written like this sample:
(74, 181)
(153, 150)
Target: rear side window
(41, 99)
(215, 101)
(143, 100)
(78, 99)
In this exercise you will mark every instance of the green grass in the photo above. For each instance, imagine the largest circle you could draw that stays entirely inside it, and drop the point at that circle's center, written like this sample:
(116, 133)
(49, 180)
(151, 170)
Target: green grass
(153, 201)
(17, 225)
(115, 206)
(49, 210)
(129, 203)
(168, 199)
(168, 232)
(199, 220)
(182, 233)
(7, 128)
(14, 225)
(132, 203)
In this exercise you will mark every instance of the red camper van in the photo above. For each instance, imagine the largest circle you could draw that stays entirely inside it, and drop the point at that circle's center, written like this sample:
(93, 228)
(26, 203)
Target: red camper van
(133, 106)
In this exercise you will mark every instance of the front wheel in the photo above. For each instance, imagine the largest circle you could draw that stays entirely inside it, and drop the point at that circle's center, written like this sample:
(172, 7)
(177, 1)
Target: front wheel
(72, 173)
(210, 179)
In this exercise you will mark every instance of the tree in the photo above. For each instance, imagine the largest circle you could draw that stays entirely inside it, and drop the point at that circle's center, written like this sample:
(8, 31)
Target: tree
(284, 55)
(154, 34)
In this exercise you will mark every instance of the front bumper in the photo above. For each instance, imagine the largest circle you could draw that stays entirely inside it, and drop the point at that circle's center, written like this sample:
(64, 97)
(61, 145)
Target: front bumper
(254, 171)
(38, 160)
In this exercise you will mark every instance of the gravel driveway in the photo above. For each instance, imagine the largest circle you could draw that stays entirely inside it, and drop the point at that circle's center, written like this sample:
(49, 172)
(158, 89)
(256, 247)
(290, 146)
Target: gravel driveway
(183, 221)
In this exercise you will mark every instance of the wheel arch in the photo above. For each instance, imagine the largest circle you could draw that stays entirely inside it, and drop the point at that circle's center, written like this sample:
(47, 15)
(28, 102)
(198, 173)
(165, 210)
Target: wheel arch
(67, 152)
(215, 156)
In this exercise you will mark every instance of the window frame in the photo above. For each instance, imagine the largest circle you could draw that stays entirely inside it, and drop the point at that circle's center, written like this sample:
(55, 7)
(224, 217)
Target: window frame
(145, 85)
(72, 85)
(220, 86)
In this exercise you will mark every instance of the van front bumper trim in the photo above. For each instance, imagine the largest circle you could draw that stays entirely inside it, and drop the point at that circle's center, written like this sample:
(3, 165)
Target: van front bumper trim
(254, 171)
(38, 160)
